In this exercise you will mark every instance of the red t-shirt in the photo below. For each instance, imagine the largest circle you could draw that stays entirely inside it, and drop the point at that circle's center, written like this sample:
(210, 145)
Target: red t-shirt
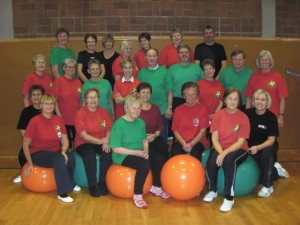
(45, 134)
(124, 88)
(211, 92)
(33, 78)
(96, 124)
(273, 83)
(152, 119)
(189, 120)
(169, 56)
(140, 59)
(230, 127)
(67, 91)
(117, 69)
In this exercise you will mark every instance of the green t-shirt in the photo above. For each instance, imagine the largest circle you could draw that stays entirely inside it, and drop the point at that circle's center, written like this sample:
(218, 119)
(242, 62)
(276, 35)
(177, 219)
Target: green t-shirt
(105, 92)
(58, 56)
(182, 74)
(161, 83)
(126, 134)
(232, 79)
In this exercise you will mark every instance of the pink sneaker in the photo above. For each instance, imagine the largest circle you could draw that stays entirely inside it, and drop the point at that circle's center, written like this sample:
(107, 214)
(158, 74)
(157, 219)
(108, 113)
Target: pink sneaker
(158, 191)
(139, 201)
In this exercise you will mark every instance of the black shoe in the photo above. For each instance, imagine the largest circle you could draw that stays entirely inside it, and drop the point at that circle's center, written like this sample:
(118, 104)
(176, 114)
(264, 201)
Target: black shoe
(94, 191)
(103, 188)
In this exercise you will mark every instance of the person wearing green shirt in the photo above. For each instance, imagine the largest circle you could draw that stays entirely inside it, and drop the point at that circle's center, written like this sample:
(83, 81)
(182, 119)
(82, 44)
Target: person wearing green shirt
(237, 75)
(60, 52)
(162, 88)
(103, 86)
(128, 141)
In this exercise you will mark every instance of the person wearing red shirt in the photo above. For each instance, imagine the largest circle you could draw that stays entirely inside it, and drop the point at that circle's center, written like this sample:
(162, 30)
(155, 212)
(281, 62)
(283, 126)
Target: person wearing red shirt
(140, 56)
(125, 86)
(169, 55)
(126, 52)
(272, 82)
(67, 91)
(46, 144)
(230, 128)
(189, 124)
(93, 126)
(37, 77)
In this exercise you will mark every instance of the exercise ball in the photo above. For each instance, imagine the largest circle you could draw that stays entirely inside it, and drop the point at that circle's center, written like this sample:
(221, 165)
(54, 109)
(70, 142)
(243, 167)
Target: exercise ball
(40, 179)
(120, 181)
(247, 176)
(183, 177)
(79, 172)
(205, 155)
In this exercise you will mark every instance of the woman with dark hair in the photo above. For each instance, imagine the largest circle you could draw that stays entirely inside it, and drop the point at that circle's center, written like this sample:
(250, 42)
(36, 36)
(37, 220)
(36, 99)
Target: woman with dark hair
(139, 57)
(230, 128)
(85, 56)
(158, 149)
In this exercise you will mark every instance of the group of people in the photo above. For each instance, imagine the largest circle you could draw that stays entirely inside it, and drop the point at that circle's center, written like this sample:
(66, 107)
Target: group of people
(124, 107)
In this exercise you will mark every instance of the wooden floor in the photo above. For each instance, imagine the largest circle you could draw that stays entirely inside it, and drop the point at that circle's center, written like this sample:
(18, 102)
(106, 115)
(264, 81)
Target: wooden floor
(18, 206)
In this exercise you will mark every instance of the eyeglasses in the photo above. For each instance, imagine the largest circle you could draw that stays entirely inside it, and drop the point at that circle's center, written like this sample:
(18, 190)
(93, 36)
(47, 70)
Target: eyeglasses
(92, 97)
(48, 103)
(70, 67)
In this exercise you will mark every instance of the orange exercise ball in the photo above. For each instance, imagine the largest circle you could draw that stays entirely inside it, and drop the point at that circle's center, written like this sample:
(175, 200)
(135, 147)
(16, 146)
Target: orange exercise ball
(120, 181)
(183, 177)
(40, 179)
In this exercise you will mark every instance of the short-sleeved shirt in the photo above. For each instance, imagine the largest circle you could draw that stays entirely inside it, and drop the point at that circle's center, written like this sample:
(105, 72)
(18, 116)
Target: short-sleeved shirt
(262, 126)
(127, 134)
(96, 124)
(210, 94)
(189, 120)
(273, 83)
(117, 69)
(140, 59)
(169, 56)
(26, 115)
(231, 127)
(161, 83)
(181, 74)
(105, 92)
(108, 66)
(152, 119)
(84, 57)
(67, 91)
(233, 79)
(33, 78)
(45, 134)
(58, 56)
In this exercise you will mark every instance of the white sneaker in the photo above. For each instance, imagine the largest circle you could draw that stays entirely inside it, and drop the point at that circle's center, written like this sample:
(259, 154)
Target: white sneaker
(77, 188)
(210, 196)
(226, 206)
(18, 179)
(265, 192)
(281, 171)
(66, 199)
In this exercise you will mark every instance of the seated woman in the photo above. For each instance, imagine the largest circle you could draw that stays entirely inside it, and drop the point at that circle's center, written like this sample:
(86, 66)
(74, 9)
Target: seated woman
(128, 140)
(45, 144)
(125, 86)
(158, 148)
(230, 128)
(262, 142)
(93, 126)
(189, 124)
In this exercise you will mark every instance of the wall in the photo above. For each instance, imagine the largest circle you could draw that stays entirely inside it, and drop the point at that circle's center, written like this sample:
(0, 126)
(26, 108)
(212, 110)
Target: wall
(15, 64)
(33, 18)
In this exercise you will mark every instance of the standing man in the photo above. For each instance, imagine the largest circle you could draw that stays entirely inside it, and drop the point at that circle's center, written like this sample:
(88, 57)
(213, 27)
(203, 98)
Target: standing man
(237, 75)
(162, 89)
(209, 49)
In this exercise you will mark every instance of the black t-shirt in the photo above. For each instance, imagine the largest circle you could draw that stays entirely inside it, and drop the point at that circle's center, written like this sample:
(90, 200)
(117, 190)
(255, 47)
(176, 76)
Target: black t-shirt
(108, 66)
(84, 57)
(261, 126)
(215, 52)
(26, 115)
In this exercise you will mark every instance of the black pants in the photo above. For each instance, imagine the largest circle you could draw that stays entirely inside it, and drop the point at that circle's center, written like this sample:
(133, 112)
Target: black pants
(63, 172)
(265, 159)
(21, 158)
(88, 153)
(71, 132)
(158, 155)
(142, 167)
(230, 164)
(196, 151)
